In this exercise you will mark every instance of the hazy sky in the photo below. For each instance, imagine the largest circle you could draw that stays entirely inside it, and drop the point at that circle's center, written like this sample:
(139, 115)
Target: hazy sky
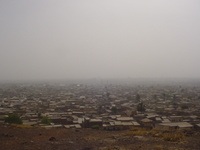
(66, 39)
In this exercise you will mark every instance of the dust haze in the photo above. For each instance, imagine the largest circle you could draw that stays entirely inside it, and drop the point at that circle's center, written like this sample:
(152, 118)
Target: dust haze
(78, 39)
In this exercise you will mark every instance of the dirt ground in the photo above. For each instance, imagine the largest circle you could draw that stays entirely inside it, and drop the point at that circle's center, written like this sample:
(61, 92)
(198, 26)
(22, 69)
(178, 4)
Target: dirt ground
(12, 138)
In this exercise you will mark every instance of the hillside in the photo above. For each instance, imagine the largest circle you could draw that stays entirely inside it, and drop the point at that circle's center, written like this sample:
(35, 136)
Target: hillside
(28, 138)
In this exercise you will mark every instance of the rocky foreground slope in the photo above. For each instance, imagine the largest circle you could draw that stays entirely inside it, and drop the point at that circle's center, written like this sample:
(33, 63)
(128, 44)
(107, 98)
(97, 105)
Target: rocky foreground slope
(26, 138)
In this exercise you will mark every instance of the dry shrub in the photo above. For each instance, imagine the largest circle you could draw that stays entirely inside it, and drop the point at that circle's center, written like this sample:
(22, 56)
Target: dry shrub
(173, 137)
(153, 132)
(91, 138)
(136, 129)
(166, 135)
(158, 147)
(137, 132)
(20, 126)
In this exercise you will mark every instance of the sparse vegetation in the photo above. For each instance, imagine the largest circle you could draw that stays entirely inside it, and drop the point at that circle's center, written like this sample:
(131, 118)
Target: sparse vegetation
(39, 115)
(114, 110)
(46, 120)
(138, 97)
(95, 127)
(13, 119)
(184, 107)
(141, 107)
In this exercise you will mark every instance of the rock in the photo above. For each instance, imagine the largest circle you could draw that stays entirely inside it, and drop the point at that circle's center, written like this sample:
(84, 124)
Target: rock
(113, 137)
(52, 138)
(24, 142)
(71, 142)
(7, 135)
(86, 148)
